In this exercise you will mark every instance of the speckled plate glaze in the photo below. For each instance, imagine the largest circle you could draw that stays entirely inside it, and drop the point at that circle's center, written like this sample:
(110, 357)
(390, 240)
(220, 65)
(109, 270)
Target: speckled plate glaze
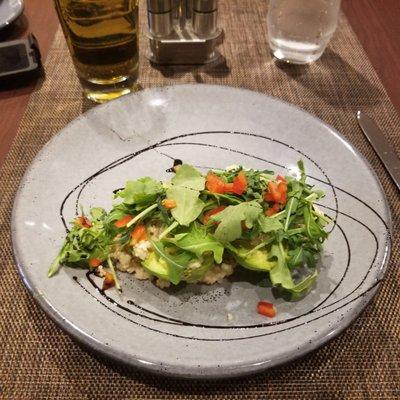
(10, 10)
(185, 331)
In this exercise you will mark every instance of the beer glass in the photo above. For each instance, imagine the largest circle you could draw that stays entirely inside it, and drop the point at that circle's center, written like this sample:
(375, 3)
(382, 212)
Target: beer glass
(102, 37)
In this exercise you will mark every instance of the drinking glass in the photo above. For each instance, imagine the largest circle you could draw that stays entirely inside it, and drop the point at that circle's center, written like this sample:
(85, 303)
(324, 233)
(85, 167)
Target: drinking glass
(102, 37)
(299, 30)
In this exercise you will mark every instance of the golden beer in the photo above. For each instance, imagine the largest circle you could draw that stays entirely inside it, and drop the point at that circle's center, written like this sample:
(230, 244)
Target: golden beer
(102, 37)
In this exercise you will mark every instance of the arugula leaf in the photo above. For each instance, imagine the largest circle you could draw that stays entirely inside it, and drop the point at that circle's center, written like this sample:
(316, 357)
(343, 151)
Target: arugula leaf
(231, 199)
(98, 214)
(268, 224)
(177, 261)
(188, 205)
(297, 256)
(280, 276)
(302, 288)
(230, 227)
(302, 170)
(185, 190)
(188, 177)
(118, 211)
(142, 192)
(198, 241)
(313, 229)
(81, 243)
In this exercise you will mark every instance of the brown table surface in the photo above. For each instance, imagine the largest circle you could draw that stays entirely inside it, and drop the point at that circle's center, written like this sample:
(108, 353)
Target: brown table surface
(376, 22)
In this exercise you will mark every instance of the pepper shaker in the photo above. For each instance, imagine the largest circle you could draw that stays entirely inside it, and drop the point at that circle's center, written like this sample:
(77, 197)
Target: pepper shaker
(160, 17)
(183, 31)
(204, 20)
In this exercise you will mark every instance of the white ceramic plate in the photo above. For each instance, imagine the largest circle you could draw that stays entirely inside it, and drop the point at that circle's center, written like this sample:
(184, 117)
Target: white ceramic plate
(185, 331)
(10, 10)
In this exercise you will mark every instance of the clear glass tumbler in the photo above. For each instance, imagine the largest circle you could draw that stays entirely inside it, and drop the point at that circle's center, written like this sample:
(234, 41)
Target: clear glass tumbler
(299, 30)
(102, 37)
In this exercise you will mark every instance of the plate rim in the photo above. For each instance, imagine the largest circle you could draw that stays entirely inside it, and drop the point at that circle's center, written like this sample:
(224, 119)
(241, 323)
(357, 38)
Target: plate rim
(170, 369)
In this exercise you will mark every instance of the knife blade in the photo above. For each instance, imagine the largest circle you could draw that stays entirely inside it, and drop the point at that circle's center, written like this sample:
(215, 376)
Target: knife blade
(381, 146)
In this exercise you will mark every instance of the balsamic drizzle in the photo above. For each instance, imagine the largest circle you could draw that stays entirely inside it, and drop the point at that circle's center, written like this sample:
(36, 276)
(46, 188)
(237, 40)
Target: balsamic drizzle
(168, 320)
(362, 294)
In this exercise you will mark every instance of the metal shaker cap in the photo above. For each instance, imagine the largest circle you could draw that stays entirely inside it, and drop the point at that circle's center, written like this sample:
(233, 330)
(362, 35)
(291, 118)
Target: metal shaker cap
(159, 6)
(205, 5)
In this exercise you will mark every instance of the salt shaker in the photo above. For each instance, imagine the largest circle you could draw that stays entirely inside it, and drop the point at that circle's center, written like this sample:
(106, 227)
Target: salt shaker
(204, 19)
(159, 17)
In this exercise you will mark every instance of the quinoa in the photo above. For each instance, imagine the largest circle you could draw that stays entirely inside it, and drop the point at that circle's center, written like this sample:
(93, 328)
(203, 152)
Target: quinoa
(125, 262)
(162, 283)
(129, 258)
(217, 273)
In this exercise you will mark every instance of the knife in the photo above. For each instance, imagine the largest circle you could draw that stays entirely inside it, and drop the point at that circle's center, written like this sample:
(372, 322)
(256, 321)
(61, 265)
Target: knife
(381, 146)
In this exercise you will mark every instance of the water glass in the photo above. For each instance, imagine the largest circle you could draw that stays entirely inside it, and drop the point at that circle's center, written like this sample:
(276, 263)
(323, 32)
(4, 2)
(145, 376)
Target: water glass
(299, 30)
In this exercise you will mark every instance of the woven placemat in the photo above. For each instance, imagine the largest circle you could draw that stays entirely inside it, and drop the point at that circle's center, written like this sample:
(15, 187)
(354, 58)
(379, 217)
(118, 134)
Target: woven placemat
(39, 361)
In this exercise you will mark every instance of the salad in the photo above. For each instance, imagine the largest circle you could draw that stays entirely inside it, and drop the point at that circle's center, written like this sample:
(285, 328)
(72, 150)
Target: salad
(198, 228)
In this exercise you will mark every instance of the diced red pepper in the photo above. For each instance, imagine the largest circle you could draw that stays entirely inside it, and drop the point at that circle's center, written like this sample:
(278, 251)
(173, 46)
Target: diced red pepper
(215, 184)
(228, 188)
(83, 221)
(108, 281)
(268, 197)
(283, 199)
(94, 262)
(282, 189)
(273, 190)
(138, 234)
(267, 309)
(277, 191)
(239, 183)
(273, 210)
(270, 212)
(169, 203)
(212, 212)
(121, 223)
(280, 178)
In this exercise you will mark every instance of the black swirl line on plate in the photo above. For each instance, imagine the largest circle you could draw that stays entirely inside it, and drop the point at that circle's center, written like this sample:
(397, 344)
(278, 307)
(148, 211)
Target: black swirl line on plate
(110, 166)
(159, 144)
(106, 168)
(162, 144)
(371, 265)
(132, 155)
(222, 148)
(329, 183)
(316, 308)
(102, 292)
(174, 321)
(362, 294)
(335, 210)
(166, 318)
(261, 159)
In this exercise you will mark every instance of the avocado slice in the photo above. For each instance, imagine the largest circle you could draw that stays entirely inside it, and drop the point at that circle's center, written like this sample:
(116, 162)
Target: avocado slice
(156, 266)
(256, 260)
(193, 275)
(159, 267)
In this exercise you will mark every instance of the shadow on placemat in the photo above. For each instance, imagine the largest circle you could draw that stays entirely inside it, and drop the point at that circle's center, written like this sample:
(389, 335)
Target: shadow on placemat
(336, 82)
